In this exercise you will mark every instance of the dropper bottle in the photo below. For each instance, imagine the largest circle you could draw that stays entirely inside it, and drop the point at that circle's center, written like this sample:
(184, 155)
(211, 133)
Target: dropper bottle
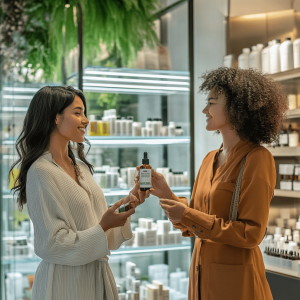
(145, 174)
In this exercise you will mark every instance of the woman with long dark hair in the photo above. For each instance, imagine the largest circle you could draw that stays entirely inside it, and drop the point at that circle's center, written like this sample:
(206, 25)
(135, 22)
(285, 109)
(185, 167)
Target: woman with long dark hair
(74, 230)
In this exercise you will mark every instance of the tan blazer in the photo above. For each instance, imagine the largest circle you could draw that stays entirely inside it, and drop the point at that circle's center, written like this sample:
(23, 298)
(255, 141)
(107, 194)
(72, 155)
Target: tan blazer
(226, 259)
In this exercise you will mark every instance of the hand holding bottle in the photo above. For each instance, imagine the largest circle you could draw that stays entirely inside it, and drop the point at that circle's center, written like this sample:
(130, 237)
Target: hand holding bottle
(110, 219)
(160, 187)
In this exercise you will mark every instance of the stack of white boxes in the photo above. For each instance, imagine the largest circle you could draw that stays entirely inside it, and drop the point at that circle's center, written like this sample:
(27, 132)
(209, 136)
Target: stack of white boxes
(149, 233)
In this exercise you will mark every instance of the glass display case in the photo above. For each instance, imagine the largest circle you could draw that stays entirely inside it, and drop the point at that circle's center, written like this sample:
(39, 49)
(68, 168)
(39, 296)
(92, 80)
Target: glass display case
(125, 98)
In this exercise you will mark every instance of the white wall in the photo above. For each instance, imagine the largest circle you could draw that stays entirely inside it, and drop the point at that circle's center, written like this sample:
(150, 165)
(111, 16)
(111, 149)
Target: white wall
(209, 48)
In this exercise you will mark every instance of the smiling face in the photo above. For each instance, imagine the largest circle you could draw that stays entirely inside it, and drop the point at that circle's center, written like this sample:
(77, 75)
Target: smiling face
(72, 123)
(215, 112)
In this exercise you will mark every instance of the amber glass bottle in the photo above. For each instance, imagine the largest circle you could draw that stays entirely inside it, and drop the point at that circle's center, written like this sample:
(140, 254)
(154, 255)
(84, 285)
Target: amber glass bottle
(145, 174)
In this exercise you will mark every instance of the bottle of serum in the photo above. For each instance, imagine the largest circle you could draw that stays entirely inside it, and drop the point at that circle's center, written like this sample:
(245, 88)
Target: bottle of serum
(145, 174)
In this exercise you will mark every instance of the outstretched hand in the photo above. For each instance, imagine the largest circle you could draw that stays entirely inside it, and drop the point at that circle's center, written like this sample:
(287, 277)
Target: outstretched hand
(173, 209)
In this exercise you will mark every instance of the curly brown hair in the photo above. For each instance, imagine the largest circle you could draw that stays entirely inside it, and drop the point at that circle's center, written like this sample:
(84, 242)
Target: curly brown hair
(255, 106)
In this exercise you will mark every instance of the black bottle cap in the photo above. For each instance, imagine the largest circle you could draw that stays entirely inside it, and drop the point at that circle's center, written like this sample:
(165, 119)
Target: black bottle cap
(278, 40)
(118, 117)
(98, 117)
(170, 170)
(145, 160)
(178, 127)
(156, 119)
(130, 118)
(287, 38)
(266, 44)
(149, 119)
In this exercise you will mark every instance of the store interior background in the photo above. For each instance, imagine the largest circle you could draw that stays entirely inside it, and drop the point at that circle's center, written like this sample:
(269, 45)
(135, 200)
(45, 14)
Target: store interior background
(221, 27)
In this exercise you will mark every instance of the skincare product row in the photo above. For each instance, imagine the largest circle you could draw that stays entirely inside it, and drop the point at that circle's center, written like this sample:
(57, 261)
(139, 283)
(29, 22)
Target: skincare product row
(114, 177)
(17, 241)
(112, 125)
(157, 287)
(18, 247)
(274, 58)
(149, 233)
(283, 254)
(283, 239)
(285, 235)
(154, 127)
(289, 177)
(17, 286)
(288, 137)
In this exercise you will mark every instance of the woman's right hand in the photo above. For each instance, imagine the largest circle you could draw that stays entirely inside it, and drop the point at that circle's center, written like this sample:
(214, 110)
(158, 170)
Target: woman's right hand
(110, 219)
(160, 187)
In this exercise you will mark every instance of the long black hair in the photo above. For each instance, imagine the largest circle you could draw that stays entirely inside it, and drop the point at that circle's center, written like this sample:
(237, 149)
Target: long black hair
(38, 125)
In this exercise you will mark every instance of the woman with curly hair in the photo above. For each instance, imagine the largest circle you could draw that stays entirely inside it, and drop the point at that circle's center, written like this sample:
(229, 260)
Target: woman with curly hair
(248, 109)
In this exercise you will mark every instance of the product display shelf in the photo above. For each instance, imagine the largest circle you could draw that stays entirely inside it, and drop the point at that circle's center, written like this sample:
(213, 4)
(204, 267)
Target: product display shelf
(133, 81)
(284, 151)
(281, 271)
(179, 190)
(293, 113)
(125, 141)
(6, 260)
(291, 74)
(138, 140)
(284, 193)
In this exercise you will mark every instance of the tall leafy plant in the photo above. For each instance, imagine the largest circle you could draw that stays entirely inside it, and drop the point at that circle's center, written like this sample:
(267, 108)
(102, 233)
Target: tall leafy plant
(35, 33)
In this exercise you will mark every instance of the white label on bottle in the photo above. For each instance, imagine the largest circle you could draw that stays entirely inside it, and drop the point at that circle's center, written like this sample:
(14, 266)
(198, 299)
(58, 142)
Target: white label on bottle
(286, 185)
(283, 139)
(293, 139)
(145, 178)
(296, 186)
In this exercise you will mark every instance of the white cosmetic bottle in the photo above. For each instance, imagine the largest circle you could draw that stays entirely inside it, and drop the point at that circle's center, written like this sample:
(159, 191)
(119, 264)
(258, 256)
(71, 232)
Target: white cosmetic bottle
(255, 57)
(112, 121)
(259, 48)
(243, 59)
(296, 48)
(252, 57)
(275, 65)
(286, 55)
(265, 58)
(171, 129)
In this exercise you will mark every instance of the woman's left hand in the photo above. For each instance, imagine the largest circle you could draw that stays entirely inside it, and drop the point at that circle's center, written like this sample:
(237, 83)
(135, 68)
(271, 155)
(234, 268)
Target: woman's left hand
(173, 209)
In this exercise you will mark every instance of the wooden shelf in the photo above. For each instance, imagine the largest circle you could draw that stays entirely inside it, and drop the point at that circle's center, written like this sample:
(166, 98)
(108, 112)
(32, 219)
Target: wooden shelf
(291, 74)
(284, 151)
(293, 114)
(288, 194)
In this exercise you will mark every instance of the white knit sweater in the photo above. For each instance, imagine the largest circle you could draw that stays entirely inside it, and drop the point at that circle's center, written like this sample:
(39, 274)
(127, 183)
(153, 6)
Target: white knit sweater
(67, 234)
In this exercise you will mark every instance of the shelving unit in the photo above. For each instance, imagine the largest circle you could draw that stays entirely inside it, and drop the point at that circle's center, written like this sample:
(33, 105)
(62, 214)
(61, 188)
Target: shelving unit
(7, 260)
(284, 151)
(293, 114)
(134, 81)
(288, 194)
(165, 94)
(286, 75)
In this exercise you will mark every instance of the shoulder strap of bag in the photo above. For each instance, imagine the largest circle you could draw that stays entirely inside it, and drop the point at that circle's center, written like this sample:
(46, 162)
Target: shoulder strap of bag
(236, 194)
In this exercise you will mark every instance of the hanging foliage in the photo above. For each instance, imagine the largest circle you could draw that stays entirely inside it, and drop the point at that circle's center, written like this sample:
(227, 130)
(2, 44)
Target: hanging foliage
(32, 31)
